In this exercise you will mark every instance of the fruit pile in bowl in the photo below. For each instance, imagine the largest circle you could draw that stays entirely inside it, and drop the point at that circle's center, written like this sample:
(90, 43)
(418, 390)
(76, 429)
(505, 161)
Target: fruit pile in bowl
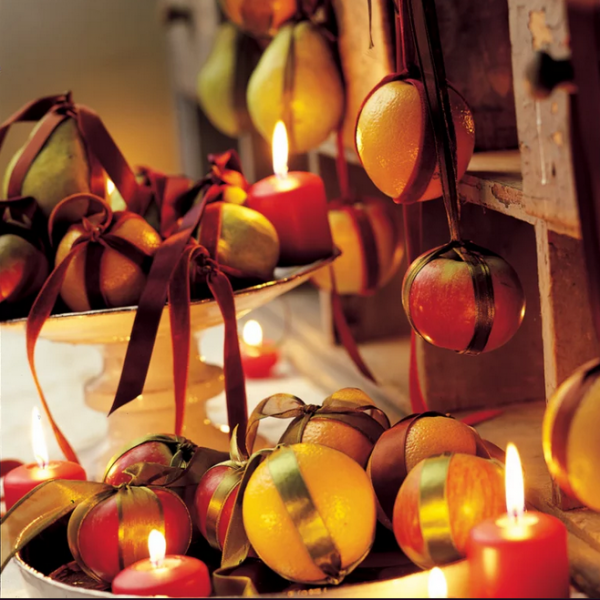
(335, 500)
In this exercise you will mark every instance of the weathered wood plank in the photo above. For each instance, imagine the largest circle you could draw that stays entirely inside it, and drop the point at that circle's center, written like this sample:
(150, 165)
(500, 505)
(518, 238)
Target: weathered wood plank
(542, 125)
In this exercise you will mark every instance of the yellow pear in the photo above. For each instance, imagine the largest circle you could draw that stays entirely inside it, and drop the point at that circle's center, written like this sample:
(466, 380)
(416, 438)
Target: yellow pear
(59, 170)
(248, 242)
(317, 98)
(223, 78)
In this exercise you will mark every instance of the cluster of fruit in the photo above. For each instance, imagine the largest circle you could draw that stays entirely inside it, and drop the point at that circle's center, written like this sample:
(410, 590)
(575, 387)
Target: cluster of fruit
(57, 199)
(308, 508)
(296, 78)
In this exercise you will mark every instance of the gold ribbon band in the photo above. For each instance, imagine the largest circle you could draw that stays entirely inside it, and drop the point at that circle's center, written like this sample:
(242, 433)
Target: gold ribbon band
(434, 516)
(217, 502)
(285, 471)
(140, 511)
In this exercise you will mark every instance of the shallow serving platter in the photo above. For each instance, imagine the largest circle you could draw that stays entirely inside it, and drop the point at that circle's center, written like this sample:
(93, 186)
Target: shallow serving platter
(114, 324)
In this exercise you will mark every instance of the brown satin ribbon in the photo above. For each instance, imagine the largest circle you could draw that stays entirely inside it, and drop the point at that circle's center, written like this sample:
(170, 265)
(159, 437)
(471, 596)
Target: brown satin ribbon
(167, 275)
(288, 91)
(561, 426)
(102, 152)
(96, 233)
(483, 288)
(286, 406)
(388, 459)
(387, 471)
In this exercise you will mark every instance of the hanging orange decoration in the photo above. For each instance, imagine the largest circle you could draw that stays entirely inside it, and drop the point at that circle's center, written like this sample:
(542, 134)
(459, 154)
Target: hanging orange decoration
(570, 435)
(394, 140)
(260, 18)
(463, 298)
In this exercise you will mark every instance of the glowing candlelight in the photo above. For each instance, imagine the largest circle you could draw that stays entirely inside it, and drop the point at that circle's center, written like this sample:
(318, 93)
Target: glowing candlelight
(515, 486)
(436, 585)
(252, 333)
(280, 150)
(40, 449)
(157, 547)
(22, 480)
(110, 187)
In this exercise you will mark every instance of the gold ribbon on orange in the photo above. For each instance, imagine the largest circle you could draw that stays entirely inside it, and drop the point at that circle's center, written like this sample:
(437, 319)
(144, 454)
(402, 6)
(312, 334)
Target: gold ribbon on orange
(434, 516)
(286, 406)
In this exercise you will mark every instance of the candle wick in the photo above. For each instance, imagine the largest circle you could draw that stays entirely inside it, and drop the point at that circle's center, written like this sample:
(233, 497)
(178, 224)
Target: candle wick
(282, 175)
(157, 564)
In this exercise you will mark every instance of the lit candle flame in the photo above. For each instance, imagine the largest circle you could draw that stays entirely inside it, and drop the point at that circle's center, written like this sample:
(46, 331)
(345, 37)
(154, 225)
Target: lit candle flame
(280, 150)
(157, 546)
(40, 450)
(436, 585)
(515, 487)
(110, 187)
(252, 333)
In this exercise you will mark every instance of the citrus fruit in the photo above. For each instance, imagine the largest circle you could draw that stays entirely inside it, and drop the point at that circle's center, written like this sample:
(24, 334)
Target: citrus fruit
(570, 435)
(355, 438)
(388, 137)
(406, 444)
(439, 299)
(342, 497)
(368, 233)
(461, 490)
(259, 17)
(121, 280)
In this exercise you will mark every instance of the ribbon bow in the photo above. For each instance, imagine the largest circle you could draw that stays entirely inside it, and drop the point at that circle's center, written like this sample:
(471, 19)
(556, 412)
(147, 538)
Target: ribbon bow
(95, 238)
(170, 275)
(286, 406)
(104, 157)
(168, 192)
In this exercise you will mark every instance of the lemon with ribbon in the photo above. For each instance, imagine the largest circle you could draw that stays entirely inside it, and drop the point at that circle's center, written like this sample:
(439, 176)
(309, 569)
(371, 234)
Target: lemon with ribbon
(309, 513)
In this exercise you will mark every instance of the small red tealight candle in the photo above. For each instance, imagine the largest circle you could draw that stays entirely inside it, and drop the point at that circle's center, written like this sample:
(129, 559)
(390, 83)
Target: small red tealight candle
(296, 205)
(173, 575)
(23, 479)
(522, 554)
(258, 356)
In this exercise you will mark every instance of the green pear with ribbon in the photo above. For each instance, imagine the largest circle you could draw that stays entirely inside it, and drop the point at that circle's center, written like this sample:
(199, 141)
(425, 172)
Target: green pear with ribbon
(60, 169)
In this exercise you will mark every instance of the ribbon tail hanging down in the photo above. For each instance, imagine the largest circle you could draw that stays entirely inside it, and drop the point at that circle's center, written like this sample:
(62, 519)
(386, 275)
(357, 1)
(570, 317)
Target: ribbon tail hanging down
(40, 311)
(151, 305)
(179, 315)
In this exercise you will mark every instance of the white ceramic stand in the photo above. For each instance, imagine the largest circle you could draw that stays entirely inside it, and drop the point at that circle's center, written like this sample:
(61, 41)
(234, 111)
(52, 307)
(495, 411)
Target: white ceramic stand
(153, 411)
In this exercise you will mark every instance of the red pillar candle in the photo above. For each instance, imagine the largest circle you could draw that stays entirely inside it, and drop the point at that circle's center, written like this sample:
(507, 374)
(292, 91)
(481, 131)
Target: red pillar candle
(23, 479)
(173, 575)
(258, 356)
(296, 205)
(519, 555)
